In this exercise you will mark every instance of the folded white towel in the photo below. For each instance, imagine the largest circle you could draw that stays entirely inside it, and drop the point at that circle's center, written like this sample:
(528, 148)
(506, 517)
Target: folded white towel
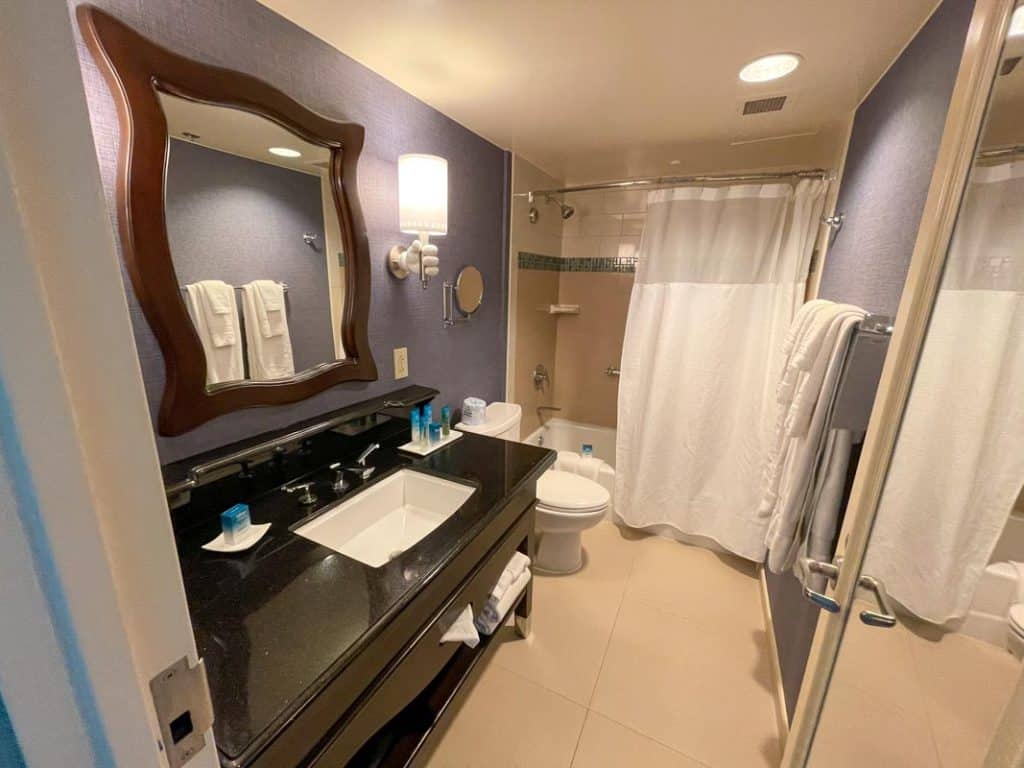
(218, 308)
(589, 467)
(494, 611)
(462, 629)
(222, 348)
(269, 357)
(568, 461)
(515, 567)
(269, 301)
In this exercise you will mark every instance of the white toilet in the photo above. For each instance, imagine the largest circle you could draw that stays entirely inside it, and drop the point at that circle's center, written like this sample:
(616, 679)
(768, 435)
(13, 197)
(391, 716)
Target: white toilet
(567, 504)
(996, 614)
(1015, 634)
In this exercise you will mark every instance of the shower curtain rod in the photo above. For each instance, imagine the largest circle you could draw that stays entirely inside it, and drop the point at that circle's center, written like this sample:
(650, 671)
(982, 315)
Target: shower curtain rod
(991, 154)
(650, 182)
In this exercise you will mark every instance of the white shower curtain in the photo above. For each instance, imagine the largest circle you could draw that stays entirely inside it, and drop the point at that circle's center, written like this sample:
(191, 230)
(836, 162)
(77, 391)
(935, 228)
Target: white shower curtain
(959, 460)
(720, 275)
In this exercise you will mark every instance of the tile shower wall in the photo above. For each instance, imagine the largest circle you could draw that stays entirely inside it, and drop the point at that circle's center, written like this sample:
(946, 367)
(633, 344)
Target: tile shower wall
(589, 260)
(246, 36)
(533, 336)
(606, 227)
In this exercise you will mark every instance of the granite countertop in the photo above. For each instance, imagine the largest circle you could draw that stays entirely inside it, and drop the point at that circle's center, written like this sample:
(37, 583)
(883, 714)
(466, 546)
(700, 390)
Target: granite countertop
(276, 622)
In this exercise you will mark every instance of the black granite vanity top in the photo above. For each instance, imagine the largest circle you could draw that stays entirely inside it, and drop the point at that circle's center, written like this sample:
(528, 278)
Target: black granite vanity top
(277, 623)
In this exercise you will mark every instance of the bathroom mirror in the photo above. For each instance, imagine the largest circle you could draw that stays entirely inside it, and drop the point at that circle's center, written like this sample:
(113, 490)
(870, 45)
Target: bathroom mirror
(247, 200)
(240, 228)
(469, 290)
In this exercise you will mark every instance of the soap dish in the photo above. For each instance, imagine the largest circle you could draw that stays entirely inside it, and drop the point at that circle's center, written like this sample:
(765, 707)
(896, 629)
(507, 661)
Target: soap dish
(422, 450)
(219, 545)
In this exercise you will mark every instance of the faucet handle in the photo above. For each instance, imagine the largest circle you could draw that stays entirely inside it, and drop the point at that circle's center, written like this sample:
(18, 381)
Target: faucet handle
(339, 485)
(308, 498)
(361, 461)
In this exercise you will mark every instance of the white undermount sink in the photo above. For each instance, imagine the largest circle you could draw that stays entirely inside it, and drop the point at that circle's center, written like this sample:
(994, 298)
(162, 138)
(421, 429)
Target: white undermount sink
(381, 522)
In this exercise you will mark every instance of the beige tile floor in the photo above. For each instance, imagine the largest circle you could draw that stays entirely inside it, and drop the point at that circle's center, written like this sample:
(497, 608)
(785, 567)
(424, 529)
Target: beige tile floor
(913, 697)
(655, 654)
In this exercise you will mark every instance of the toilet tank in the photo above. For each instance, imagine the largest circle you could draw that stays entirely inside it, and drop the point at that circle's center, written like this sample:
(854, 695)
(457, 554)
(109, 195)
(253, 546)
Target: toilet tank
(502, 420)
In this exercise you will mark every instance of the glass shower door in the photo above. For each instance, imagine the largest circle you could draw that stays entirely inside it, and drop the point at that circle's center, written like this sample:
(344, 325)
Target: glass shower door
(931, 648)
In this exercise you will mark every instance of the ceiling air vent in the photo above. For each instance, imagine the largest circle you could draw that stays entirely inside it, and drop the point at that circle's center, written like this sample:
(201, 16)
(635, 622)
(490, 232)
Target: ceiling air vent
(759, 106)
(1009, 65)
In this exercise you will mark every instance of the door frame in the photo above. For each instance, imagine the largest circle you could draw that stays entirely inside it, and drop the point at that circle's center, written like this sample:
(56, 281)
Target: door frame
(968, 106)
(94, 605)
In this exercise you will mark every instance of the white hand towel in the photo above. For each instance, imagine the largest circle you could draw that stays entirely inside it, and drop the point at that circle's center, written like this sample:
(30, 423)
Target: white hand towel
(494, 611)
(217, 304)
(223, 359)
(269, 358)
(462, 630)
(269, 301)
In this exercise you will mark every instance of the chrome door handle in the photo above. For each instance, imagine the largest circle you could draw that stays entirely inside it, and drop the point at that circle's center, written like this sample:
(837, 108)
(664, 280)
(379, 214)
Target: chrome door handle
(829, 571)
(883, 617)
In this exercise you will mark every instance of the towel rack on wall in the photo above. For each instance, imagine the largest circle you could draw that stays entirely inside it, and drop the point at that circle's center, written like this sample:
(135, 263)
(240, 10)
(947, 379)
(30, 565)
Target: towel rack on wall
(862, 370)
(284, 287)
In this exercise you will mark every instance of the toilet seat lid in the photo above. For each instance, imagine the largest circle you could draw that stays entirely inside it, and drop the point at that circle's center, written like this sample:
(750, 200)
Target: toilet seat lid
(564, 490)
(1017, 618)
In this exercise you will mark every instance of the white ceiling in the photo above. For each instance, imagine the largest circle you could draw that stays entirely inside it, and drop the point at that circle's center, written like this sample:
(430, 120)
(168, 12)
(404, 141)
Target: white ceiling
(562, 82)
(240, 133)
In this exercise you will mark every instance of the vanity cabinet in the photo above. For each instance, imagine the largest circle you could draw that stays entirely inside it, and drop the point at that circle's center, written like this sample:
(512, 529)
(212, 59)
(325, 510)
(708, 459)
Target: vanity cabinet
(415, 676)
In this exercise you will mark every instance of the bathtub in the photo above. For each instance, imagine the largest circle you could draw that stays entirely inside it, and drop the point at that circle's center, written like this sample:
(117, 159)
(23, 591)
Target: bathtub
(564, 435)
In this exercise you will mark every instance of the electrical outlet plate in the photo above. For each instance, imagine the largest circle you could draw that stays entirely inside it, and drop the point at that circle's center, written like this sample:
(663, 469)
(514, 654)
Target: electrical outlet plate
(401, 362)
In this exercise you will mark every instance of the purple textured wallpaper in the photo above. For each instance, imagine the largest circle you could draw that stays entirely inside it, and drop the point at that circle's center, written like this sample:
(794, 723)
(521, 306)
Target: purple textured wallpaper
(893, 146)
(244, 35)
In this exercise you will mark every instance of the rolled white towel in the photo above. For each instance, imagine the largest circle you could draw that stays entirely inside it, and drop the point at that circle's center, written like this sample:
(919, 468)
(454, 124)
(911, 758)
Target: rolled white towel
(516, 565)
(494, 612)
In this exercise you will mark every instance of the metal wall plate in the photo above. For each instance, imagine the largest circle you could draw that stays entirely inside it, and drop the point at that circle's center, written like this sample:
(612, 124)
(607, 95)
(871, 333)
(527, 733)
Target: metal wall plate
(181, 697)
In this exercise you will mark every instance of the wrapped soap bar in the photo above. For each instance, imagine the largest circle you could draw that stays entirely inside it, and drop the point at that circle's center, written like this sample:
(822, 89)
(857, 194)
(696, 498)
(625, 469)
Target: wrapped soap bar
(235, 524)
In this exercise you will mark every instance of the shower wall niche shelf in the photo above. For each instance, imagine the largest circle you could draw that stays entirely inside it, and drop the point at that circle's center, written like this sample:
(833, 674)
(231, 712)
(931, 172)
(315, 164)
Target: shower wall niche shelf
(561, 309)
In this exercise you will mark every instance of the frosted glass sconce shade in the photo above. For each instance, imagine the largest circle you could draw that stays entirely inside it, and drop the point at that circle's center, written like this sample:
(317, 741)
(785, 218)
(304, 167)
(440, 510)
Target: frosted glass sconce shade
(423, 194)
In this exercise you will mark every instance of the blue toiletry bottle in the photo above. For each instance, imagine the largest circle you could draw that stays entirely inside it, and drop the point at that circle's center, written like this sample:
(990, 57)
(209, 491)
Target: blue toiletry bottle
(425, 419)
(435, 432)
(446, 420)
(414, 425)
(588, 451)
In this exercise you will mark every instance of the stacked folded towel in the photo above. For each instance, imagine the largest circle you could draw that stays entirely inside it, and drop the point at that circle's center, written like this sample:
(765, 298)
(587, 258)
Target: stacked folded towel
(510, 586)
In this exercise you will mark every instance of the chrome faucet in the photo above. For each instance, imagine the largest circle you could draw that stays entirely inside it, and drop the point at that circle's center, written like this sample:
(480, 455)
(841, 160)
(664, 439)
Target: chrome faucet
(360, 467)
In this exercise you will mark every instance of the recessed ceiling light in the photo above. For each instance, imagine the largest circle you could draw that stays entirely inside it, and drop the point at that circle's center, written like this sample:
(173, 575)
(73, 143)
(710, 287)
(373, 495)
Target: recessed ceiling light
(1017, 23)
(284, 152)
(674, 162)
(769, 67)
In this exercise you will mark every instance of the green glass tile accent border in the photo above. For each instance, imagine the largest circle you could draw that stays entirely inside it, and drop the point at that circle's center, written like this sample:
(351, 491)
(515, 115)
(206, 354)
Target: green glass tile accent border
(591, 264)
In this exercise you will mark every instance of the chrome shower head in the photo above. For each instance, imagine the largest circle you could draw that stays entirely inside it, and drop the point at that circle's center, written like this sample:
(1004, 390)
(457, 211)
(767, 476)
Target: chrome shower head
(566, 210)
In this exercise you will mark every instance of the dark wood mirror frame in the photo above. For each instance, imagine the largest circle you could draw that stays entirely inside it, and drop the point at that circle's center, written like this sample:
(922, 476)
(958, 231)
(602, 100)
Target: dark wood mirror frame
(135, 69)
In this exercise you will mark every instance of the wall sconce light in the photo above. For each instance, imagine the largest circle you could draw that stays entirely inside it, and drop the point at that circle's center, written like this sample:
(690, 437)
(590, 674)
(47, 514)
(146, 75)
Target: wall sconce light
(422, 211)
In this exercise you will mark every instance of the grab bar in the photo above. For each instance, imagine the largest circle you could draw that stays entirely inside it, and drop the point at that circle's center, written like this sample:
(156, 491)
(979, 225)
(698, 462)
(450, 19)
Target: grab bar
(612, 371)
